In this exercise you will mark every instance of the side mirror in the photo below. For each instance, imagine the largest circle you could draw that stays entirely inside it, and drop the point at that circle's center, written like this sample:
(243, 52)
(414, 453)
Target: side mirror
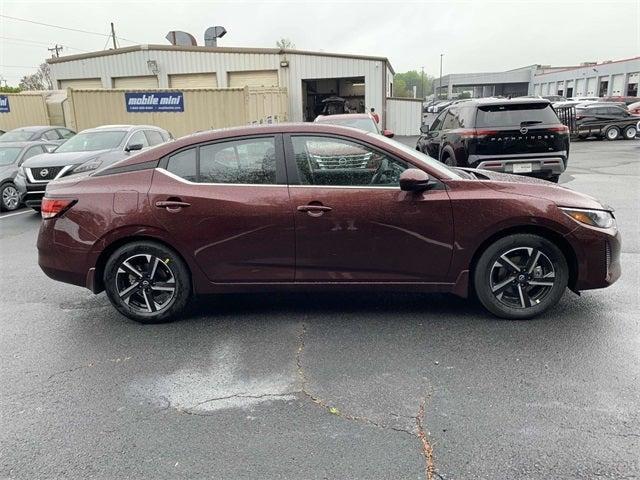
(414, 180)
(388, 133)
(51, 148)
(424, 128)
(135, 146)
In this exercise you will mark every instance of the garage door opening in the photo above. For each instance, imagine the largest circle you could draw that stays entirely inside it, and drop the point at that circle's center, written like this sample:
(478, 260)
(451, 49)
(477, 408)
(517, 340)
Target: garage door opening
(314, 91)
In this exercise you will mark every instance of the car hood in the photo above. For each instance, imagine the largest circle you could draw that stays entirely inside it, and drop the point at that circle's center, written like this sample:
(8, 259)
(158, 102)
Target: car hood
(63, 159)
(535, 187)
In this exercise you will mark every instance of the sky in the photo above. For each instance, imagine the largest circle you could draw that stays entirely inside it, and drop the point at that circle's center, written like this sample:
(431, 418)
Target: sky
(474, 36)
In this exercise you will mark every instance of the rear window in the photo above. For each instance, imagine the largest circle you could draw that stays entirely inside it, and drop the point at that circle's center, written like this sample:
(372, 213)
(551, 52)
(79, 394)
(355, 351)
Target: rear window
(514, 115)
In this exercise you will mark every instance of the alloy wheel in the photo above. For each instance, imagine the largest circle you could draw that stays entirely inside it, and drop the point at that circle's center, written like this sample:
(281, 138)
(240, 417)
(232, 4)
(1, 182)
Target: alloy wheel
(522, 277)
(10, 197)
(145, 283)
(612, 133)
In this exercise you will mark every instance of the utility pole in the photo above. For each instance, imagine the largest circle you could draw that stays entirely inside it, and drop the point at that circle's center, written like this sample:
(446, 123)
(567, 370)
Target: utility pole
(440, 87)
(57, 49)
(422, 85)
(113, 35)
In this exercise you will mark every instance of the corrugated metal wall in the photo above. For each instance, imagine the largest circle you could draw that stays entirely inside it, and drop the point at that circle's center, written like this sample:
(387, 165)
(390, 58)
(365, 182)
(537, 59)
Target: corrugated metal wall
(25, 109)
(404, 116)
(204, 109)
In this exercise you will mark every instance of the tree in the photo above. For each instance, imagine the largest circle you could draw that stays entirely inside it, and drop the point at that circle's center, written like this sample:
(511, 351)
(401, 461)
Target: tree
(411, 79)
(285, 44)
(8, 89)
(41, 80)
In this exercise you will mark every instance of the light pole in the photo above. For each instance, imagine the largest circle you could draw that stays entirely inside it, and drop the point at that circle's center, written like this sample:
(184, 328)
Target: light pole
(422, 85)
(440, 87)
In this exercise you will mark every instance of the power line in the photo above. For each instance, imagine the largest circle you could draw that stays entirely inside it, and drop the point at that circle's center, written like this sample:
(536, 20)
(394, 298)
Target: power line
(25, 41)
(88, 32)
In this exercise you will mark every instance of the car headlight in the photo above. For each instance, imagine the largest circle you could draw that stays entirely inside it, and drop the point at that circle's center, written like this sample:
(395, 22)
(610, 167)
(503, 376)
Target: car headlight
(87, 166)
(594, 218)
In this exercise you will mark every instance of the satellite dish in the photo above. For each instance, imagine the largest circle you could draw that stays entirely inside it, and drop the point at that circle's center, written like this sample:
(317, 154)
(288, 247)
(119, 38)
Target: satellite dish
(212, 34)
(176, 37)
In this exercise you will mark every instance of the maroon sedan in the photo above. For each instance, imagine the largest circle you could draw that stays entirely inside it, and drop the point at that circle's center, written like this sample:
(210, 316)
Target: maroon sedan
(306, 206)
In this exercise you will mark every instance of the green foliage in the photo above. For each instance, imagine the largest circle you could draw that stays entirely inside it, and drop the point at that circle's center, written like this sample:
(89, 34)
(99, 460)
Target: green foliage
(403, 84)
(285, 44)
(10, 89)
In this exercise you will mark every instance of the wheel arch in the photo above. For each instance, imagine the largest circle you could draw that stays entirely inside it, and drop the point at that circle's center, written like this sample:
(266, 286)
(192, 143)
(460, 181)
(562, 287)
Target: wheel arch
(545, 232)
(447, 150)
(103, 257)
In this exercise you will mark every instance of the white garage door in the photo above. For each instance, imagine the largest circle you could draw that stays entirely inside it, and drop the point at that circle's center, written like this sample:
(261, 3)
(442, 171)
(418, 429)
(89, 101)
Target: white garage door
(618, 85)
(81, 83)
(591, 87)
(256, 78)
(193, 80)
(150, 81)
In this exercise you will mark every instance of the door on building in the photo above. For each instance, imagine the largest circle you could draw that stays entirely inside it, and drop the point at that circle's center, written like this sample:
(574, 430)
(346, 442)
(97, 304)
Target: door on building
(314, 91)
(569, 92)
(146, 81)
(253, 78)
(603, 91)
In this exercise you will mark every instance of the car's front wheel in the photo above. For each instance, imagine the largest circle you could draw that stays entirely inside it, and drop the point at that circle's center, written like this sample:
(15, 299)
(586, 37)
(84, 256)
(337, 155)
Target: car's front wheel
(9, 197)
(520, 276)
(147, 282)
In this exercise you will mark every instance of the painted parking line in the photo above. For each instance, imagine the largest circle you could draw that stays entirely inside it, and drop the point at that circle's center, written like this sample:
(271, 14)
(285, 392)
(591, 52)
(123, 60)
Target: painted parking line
(16, 213)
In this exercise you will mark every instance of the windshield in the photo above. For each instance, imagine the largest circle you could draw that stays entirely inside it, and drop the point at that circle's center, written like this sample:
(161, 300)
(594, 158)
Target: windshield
(9, 155)
(366, 124)
(16, 136)
(91, 141)
(513, 115)
(441, 168)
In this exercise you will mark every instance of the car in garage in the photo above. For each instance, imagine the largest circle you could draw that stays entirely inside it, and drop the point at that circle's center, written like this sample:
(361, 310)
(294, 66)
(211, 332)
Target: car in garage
(520, 135)
(12, 155)
(363, 121)
(249, 210)
(86, 151)
(606, 121)
(50, 134)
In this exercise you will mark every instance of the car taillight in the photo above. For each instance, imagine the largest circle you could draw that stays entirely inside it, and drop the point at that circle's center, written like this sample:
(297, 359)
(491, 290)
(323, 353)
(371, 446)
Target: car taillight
(53, 207)
(476, 133)
(560, 128)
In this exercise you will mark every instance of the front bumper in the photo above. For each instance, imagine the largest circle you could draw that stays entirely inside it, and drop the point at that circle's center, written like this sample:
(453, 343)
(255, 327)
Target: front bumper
(545, 166)
(31, 194)
(598, 255)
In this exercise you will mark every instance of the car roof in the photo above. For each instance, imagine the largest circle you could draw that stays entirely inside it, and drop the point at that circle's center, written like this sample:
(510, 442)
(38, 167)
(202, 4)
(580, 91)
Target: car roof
(24, 144)
(34, 128)
(340, 116)
(506, 101)
(120, 128)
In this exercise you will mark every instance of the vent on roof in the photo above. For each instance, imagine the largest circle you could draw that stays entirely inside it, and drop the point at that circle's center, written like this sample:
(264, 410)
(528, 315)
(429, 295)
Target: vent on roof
(176, 37)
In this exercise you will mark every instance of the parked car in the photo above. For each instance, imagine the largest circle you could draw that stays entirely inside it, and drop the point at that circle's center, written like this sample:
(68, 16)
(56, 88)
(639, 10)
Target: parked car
(50, 134)
(520, 135)
(621, 99)
(12, 155)
(585, 99)
(634, 108)
(610, 122)
(554, 98)
(249, 209)
(87, 151)
(363, 121)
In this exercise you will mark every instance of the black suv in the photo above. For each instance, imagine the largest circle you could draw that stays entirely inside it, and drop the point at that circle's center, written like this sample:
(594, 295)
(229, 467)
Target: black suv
(608, 121)
(522, 136)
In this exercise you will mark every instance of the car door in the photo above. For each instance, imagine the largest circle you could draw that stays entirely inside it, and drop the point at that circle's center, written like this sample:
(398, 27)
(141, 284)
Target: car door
(354, 224)
(226, 203)
(433, 138)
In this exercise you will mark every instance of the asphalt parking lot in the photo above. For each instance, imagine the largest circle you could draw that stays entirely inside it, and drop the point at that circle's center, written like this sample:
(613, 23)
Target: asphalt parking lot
(364, 386)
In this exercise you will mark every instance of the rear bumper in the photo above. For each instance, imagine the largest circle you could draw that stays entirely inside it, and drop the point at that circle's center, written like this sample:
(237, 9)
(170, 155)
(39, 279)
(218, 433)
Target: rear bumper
(546, 166)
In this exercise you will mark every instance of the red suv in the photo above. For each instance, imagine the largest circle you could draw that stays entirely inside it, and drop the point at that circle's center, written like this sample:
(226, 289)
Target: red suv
(311, 207)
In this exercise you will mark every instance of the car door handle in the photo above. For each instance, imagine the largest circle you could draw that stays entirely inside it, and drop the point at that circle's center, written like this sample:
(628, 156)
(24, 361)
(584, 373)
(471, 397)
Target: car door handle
(314, 210)
(172, 205)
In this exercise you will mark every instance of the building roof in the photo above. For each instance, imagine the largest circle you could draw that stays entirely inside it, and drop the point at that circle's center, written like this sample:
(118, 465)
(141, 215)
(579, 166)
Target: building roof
(180, 48)
(588, 66)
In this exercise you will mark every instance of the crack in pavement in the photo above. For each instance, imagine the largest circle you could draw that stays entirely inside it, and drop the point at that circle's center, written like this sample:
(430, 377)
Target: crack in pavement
(427, 450)
(190, 410)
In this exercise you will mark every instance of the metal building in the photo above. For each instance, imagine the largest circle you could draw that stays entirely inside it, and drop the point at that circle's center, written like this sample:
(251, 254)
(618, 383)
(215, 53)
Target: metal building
(309, 77)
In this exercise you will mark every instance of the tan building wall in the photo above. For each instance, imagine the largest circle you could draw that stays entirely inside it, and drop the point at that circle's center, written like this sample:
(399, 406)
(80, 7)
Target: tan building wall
(25, 109)
(204, 109)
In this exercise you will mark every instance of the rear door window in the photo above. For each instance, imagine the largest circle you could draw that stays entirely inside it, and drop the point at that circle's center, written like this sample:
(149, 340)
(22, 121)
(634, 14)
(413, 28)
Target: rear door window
(250, 161)
(154, 137)
(183, 164)
(51, 135)
(513, 115)
(138, 138)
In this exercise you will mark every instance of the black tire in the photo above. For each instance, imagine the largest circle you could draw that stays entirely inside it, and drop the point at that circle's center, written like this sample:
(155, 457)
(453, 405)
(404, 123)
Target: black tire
(9, 197)
(169, 282)
(449, 159)
(515, 300)
(612, 133)
(629, 133)
(554, 178)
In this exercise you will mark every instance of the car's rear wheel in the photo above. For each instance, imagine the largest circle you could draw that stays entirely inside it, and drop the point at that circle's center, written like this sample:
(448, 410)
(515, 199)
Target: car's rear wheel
(630, 132)
(520, 276)
(147, 282)
(9, 197)
(449, 160)
(612, 133)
